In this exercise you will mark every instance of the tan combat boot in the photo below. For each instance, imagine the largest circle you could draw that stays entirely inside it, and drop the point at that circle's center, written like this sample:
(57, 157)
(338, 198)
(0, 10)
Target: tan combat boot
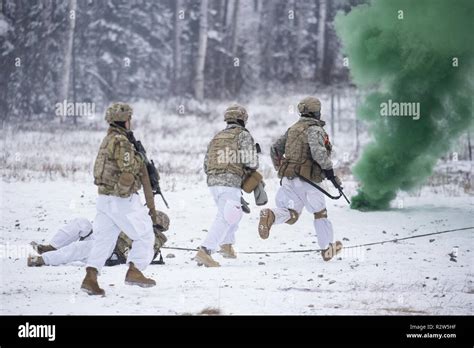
(90, 285)
(267, 218)
(228, 251)
(135, 277)
(35, 261)
(203, 257)
(331, 251)
(42, 248)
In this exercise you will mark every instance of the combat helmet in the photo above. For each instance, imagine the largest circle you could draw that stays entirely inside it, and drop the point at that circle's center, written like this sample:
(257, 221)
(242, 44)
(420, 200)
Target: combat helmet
(310, 106)
(236, 113)
(118, 112)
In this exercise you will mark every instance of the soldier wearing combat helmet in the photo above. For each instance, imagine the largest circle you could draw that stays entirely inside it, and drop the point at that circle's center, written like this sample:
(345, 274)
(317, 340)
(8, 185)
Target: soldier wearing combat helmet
(230, 164)
(117, 174)
(303, 152)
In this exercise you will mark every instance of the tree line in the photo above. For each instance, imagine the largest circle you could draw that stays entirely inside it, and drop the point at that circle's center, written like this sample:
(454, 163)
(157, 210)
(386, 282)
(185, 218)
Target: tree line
(100, 51)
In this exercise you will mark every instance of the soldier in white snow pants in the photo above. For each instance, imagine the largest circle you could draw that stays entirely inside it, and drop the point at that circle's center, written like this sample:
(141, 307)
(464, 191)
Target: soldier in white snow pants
(231, 161)
(296, 194)
(228, 216)
(72, 242)
(302, 157)
(118, 170)
(115, 214)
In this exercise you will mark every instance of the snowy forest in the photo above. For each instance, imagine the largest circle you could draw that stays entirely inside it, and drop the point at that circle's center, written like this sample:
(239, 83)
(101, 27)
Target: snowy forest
(102, 51)
(406, 227)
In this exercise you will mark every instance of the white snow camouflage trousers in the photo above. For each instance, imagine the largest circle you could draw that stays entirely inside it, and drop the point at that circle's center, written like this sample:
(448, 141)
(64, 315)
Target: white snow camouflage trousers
(296, 194)
(226, 222)
(115, 214)
(66, 241)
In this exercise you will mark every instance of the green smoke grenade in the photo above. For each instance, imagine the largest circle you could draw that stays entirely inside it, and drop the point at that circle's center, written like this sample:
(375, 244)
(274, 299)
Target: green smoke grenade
(407, 54)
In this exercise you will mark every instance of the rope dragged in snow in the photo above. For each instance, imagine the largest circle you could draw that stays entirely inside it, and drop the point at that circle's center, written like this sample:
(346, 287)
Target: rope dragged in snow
(348, 247)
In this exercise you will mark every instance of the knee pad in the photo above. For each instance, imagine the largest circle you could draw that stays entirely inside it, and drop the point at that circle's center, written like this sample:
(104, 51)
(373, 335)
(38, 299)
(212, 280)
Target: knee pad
(232, 212)
(322, 214)
(293, 217)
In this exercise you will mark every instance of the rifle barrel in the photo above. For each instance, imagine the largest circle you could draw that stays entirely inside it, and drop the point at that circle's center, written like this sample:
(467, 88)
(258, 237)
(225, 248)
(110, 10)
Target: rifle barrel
(164, 200)
(342, 193)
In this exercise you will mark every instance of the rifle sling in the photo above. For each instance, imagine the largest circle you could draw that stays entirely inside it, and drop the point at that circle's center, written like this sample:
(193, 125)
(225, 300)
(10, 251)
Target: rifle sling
(320, 188)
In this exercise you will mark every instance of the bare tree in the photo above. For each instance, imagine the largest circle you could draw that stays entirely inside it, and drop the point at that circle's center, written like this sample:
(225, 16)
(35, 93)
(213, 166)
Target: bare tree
(225, 6)
(221, 64)
(256, 5)
(267, 16)
(235, 24)
(176, 47)
(321, 44)
(68, 51)
(298, 27)
(332, 114)
(234, 42)
(201, 57)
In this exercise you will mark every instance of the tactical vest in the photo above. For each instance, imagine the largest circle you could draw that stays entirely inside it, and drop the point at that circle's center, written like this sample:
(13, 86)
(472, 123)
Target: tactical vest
(107, 172)
(298, 159)
(223, 155)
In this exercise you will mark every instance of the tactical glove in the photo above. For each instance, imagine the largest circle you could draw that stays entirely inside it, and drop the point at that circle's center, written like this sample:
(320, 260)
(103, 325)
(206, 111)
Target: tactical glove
(329, 173)
(334, 179)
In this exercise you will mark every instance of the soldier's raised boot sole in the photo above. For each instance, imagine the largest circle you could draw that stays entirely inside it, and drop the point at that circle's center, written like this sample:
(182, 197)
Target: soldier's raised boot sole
(267, 218)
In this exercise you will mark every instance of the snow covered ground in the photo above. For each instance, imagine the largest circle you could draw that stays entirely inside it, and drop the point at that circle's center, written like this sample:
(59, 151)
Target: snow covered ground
(46, 180)
(415, 276)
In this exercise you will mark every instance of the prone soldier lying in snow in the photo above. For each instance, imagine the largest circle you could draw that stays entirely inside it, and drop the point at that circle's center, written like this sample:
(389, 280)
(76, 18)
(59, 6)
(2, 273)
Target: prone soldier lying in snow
(73, 242)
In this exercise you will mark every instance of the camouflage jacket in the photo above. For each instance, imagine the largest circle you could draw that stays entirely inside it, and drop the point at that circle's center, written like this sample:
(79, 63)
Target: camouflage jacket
(117, 168)
(247, 158)
(317, 139)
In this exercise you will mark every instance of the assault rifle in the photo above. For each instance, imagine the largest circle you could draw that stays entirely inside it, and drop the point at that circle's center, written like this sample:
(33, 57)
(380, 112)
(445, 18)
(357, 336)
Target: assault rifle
(150, 167)
(319, 188)
(277, 158)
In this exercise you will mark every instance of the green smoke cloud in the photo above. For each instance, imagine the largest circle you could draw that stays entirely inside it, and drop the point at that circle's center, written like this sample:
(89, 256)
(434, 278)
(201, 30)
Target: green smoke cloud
(408, 56)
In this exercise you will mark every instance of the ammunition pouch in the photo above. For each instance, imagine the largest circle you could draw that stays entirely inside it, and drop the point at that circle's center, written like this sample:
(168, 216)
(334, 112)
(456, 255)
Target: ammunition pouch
(251, 182)
(125, 184)
(309, 169)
